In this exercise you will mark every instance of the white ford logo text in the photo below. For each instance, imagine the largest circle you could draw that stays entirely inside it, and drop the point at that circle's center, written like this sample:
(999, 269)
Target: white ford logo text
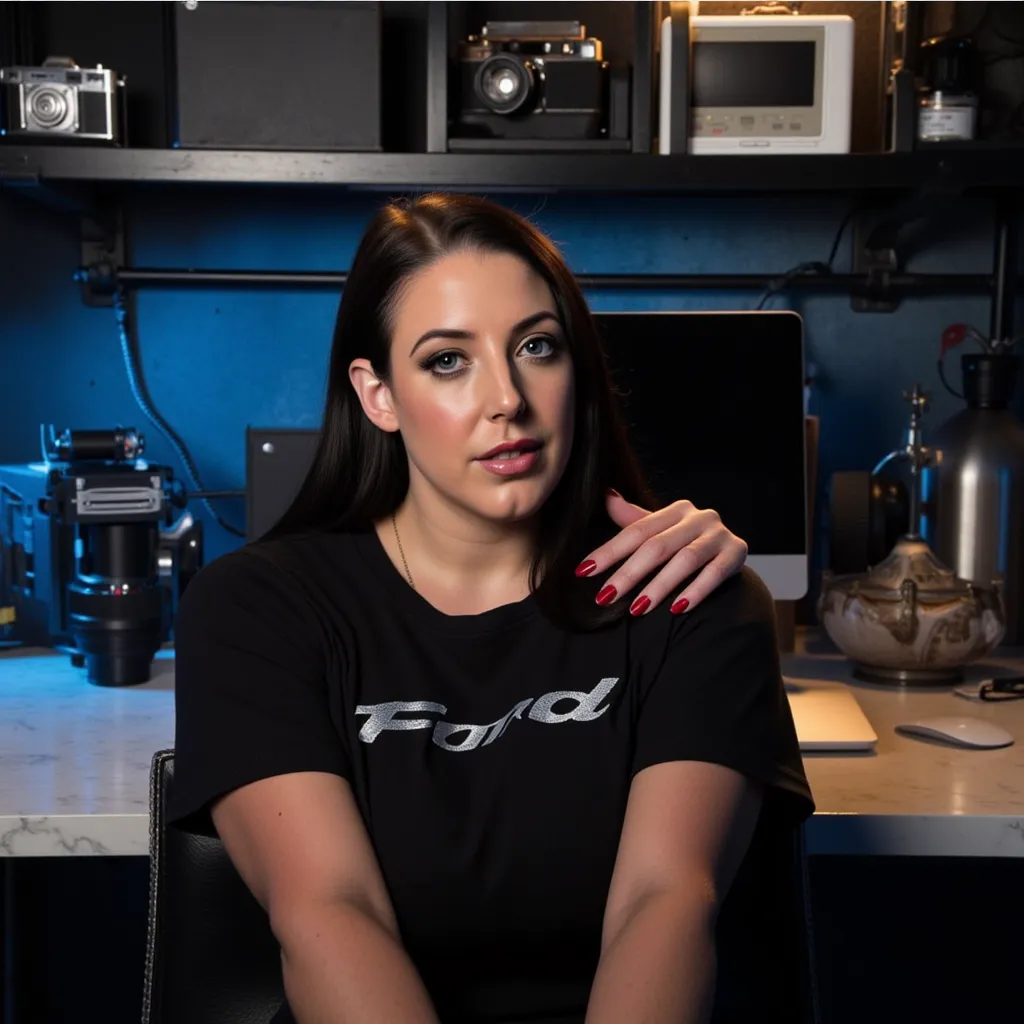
(450, 736)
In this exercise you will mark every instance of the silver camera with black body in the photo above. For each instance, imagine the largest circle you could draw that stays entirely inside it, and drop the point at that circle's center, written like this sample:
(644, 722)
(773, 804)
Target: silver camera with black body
(62, 102)
(543, 80)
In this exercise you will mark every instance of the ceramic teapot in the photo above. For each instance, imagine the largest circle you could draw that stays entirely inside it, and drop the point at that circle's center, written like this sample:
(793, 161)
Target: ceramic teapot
(910, 619)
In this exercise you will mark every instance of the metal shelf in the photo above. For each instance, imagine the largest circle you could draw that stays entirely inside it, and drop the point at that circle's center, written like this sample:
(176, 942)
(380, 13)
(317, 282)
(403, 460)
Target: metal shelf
(975, 171)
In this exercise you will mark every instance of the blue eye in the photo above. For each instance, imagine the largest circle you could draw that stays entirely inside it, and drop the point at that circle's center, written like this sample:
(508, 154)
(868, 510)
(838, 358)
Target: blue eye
(538, 347)
(444, 364)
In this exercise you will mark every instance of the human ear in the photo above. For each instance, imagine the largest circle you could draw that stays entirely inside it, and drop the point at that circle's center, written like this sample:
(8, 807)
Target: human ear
(374, 395)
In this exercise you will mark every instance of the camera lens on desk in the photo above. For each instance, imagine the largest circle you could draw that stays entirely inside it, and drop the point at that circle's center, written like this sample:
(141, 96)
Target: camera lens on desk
(115, 602)
(504, 83)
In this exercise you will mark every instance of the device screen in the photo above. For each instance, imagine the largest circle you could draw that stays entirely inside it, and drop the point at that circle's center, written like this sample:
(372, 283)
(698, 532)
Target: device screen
(754, 74)
(715, 408)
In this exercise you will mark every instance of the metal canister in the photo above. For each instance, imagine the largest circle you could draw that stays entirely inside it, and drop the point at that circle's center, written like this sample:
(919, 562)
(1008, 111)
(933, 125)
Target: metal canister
(974, 506)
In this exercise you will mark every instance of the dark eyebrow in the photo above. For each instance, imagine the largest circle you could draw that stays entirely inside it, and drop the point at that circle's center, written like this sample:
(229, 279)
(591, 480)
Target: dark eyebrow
(455, 335)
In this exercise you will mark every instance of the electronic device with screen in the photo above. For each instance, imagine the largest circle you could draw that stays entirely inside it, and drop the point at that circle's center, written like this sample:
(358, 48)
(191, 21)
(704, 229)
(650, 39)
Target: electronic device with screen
(760, 84)
(715, 407)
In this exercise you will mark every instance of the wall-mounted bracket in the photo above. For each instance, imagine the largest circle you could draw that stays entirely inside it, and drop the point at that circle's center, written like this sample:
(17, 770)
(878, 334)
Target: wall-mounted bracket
(876, 257)
(880, 239)
(103, 255)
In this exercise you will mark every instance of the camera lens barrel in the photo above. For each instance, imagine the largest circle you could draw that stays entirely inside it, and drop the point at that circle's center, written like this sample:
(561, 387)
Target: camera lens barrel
(115, 603)
(505, 83)
(120, 445)
(49, 107)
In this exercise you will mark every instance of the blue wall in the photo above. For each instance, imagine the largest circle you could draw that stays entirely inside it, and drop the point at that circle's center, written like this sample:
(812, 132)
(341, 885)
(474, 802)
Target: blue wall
(217, 360)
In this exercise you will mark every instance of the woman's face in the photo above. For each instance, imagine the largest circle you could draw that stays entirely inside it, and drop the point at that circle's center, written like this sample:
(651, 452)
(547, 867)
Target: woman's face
(479, 361)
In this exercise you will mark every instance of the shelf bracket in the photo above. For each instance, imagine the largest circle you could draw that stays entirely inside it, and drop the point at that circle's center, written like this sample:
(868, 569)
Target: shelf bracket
(103, 255)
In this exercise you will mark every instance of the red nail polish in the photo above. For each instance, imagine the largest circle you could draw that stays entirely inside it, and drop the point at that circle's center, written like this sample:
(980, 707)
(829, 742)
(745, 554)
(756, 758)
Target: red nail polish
(680, 606)
(640, 605)
(612, 493)
(586, 568)
(606, 595)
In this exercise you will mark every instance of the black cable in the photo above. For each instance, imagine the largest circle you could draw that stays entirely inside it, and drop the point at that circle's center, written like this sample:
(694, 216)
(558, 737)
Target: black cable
(807, 268)
(945, 382)
(140, 392)
(840, 231)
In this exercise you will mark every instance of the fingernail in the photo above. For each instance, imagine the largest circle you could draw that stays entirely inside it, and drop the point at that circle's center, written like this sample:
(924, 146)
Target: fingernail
(612, 493)
(606, 595)
(586, 568)
(640, 605)
(680, 606)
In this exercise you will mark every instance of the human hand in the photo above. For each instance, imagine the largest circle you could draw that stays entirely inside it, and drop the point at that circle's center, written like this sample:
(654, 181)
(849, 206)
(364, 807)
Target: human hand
(679, 537)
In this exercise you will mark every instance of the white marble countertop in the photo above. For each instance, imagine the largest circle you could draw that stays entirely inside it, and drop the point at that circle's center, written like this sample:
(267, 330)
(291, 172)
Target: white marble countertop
(74, 758)
(74, 767)
(916, 797)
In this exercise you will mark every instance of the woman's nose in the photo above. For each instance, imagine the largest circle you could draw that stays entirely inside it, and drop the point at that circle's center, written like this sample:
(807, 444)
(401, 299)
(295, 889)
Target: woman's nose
(504, 394)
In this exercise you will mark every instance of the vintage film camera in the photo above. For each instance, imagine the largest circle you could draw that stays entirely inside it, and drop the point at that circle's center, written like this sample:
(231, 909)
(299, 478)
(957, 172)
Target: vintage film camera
(62, 102)
(84, 564)
(543, 80)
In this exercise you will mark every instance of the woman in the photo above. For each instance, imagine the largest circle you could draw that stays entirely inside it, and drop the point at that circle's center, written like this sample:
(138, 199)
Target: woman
(465, 785)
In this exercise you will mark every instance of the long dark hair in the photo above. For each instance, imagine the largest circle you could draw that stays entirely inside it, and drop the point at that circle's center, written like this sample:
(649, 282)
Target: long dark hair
(360, 474)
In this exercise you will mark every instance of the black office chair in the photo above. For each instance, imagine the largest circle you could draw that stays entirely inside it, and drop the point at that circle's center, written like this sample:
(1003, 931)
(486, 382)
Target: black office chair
(765, 937)
(211, 957)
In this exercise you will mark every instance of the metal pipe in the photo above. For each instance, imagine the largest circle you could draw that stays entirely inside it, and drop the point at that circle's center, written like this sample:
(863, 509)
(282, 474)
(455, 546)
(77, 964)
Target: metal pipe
(136, 277)
(903, 282)
(1004, 271)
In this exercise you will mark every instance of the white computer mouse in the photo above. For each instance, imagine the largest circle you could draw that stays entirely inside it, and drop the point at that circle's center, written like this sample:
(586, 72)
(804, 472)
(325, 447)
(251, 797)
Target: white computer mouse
(959, 730)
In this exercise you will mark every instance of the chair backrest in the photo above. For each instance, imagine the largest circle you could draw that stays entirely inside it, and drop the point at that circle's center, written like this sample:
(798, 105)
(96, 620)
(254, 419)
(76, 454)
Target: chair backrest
(765, 940)
(212, 959)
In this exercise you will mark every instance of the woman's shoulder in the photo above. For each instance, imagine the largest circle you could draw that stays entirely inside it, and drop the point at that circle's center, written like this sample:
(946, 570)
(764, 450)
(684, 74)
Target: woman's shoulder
(743, 598)
(742, 602)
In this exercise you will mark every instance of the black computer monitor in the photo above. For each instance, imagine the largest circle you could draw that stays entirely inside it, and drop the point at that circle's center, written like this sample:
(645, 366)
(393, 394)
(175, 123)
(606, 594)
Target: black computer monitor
(715, 408)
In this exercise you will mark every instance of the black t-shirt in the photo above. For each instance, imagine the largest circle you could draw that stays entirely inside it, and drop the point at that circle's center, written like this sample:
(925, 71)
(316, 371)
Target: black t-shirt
(490, 755)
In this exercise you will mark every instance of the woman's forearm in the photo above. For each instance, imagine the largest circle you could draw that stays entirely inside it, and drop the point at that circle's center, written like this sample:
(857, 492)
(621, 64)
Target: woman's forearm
(342, 966)
(659, 968)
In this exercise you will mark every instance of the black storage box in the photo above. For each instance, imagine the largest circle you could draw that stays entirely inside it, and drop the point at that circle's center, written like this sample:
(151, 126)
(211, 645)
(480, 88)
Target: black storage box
(277, 76)
(276, 462)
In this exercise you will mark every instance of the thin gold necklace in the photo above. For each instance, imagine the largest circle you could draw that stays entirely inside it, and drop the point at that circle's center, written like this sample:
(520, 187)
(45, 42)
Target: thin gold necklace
(408, 575)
